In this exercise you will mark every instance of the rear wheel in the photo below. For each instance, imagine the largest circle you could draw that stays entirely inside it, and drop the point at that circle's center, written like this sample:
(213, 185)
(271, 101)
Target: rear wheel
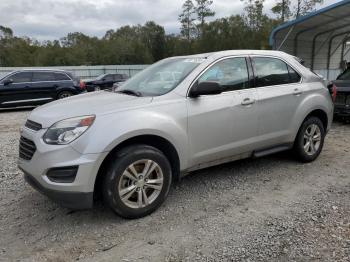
(137, 182)
(64, 94)
(309, 141)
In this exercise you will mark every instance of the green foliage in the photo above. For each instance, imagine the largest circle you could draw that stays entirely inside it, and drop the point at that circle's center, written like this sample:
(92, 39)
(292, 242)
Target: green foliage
(282, 9)
(305, 6)
(145, 44)
(203, 11)
(187, 18)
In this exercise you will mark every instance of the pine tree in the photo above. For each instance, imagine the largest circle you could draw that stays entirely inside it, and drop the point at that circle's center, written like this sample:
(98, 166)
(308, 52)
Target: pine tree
(254, 13)
(187, 18)
(203, 11)
(305, 6)
(282, 9)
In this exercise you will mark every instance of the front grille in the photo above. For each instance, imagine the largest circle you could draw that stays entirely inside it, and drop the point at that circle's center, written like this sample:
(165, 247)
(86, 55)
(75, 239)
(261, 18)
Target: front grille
(33, 125)
(27, 148)
(340, 98)
(348, 100)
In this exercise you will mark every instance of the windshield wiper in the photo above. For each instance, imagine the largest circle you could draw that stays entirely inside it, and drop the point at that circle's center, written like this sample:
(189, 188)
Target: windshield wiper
(129, 92)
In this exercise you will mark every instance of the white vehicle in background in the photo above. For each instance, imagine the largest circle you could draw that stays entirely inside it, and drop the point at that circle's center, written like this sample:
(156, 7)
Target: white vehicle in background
(178, 115)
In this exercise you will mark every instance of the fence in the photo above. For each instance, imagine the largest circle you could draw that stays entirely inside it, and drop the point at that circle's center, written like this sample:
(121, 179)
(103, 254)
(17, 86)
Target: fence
(86, 72)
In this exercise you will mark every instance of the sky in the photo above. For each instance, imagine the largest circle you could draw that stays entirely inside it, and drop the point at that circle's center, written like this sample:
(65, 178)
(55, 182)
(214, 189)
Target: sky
(53, 19)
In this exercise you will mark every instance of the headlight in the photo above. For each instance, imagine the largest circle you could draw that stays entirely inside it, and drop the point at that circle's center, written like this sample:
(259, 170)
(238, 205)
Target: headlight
(66, 131)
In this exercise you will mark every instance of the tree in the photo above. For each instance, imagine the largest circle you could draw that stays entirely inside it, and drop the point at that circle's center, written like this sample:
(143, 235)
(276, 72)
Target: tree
(305, 6)
(153, 36)
(5, 32)
(254, 13)
(203, 11)
(282, 9)
(186, 18)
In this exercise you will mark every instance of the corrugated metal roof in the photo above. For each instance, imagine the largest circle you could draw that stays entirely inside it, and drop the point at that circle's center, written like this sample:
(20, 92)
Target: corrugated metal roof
(317, 37)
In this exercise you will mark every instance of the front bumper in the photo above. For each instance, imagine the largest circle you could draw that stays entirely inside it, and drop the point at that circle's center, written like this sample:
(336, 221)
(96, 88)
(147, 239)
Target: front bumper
(72, 200)
(342, 110)
(77, 194)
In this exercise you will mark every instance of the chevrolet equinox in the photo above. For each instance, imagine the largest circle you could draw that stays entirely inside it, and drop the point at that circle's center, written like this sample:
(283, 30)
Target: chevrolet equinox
(178, 115)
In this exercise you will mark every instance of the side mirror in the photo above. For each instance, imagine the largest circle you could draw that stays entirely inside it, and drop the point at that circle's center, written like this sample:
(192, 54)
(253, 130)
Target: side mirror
(205, 88)
(7, 82)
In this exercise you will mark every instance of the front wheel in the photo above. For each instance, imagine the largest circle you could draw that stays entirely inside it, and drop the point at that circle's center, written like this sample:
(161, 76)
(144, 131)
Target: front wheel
(309, 141)
(137, 181)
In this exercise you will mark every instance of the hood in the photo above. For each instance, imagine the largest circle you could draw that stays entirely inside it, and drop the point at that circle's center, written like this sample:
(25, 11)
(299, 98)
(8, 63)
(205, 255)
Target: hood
(95, 103)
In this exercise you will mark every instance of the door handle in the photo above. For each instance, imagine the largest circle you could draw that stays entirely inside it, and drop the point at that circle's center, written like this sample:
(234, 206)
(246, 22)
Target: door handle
(247, 101)
(297, 92)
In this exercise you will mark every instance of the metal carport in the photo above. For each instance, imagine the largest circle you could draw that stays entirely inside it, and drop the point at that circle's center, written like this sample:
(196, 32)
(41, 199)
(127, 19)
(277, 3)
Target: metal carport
(319, 38)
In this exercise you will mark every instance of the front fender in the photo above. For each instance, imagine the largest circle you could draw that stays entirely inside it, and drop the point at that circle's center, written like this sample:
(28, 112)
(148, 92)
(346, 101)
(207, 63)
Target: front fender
(110, 130)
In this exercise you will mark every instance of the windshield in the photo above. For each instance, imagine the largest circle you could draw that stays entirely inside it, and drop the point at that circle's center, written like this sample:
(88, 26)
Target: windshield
(161, 77)
(345, 75)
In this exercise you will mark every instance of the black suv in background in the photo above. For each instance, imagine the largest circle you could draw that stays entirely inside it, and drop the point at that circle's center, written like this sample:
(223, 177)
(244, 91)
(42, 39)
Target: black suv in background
(105, 81)
(342, 100)
(34, 87)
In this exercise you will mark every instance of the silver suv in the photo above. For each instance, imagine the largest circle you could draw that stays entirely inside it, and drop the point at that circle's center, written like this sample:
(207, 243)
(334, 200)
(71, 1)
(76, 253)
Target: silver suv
(178, 115)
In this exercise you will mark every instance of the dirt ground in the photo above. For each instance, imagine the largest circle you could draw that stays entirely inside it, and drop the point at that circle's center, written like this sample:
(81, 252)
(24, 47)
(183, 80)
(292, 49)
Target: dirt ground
(267, 209)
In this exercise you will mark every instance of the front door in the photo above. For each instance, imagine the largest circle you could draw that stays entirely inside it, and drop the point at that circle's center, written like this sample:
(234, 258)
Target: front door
(16, 89)
(223, 125)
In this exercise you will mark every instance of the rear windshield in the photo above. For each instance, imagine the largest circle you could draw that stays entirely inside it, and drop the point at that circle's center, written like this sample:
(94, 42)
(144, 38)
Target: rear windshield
(345, 75)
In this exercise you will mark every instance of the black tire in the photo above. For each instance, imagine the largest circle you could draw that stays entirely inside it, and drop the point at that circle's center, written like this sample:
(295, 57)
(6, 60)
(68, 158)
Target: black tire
(114, 178)
(64, 94)
(300, 141)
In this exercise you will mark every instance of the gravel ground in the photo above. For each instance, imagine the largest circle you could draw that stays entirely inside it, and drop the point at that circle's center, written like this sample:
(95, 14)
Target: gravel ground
(267, 209)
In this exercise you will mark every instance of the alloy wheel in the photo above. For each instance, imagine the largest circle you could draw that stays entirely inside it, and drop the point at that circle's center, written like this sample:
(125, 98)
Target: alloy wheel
(140, 183)
(312, 139)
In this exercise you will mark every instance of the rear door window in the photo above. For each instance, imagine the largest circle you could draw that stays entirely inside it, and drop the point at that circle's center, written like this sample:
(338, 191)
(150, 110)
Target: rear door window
(117, 77)
(108, 78)
(21, 77)
(270, 71)
(345, 75)
(43, 76)
(273, 71)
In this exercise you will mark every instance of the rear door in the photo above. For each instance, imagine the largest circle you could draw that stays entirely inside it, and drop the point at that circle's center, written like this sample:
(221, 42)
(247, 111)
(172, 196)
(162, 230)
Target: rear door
(108, 81)
(279, 94)
(44, 84)
(18, 91)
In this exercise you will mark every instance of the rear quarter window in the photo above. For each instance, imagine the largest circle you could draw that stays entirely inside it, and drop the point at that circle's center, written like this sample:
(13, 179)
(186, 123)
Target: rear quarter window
(294, 76)
(61, 77)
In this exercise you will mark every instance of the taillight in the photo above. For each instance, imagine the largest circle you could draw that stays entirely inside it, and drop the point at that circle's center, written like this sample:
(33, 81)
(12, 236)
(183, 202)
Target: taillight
(332, 88)
(82, 85)
(334, 92)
